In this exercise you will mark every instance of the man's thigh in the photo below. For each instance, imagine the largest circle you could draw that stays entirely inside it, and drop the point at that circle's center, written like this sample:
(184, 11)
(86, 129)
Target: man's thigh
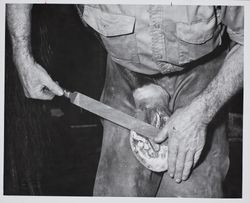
(119, 173)
(206, 179)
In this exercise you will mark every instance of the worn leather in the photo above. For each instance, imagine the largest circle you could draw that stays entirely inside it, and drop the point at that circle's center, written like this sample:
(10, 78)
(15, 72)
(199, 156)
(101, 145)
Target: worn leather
(121, 174)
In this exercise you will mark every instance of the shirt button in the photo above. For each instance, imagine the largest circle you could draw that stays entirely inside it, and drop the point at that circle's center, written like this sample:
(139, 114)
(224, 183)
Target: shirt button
(160, 56)
(105, 25)
(157, 26)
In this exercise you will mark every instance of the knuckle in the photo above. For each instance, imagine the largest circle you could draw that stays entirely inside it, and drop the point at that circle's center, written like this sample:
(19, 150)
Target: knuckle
(187, 169)
(186, 173)
(178, 171)
(171, 165)
(192, 150)
(45, 78)
(172, 161)
(171, 169)
(172, 149)
(179, 166)
(188, 164)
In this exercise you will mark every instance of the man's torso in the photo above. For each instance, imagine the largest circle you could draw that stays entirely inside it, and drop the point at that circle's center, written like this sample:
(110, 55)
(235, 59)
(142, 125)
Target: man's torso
(154, 38)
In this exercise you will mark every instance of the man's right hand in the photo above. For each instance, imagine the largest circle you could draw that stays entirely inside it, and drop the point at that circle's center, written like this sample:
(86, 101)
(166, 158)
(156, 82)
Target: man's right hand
(36, 82)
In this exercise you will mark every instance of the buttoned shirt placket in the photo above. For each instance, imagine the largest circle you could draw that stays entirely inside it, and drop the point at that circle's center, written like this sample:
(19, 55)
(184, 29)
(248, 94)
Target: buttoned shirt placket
(158, 42)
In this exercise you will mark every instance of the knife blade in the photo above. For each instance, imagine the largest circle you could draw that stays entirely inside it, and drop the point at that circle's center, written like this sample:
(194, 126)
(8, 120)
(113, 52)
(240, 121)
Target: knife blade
(107, 112)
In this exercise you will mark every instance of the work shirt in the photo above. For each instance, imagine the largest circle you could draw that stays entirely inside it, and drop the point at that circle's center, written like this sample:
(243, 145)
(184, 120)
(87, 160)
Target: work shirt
(154, 39)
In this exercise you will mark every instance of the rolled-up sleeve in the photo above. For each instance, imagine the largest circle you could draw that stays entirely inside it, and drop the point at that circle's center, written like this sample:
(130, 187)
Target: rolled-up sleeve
(233, 19)
(80, 10)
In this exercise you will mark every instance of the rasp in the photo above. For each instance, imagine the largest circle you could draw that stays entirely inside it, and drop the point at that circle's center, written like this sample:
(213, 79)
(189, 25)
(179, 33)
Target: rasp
(112, 114)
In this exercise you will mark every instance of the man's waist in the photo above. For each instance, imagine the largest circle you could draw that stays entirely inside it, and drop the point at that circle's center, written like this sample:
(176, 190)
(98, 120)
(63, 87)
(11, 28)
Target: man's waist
(150, 68)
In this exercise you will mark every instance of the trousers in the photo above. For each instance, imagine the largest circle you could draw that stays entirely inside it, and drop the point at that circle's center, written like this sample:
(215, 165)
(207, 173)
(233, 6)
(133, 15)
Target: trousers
(120, 173)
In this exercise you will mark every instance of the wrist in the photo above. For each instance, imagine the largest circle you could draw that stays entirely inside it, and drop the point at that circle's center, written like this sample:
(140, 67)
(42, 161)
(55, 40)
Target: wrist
(21, 45)
(206, 107)
(203, 109)
(22, 54)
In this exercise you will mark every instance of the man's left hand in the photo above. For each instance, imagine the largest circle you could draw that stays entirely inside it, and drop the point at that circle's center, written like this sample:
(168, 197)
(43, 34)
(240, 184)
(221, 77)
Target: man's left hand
(186, 133)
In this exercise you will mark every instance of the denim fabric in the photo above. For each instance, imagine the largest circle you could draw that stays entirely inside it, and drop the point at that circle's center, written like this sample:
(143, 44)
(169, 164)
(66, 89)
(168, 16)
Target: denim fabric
(154, 38)
(120, 174)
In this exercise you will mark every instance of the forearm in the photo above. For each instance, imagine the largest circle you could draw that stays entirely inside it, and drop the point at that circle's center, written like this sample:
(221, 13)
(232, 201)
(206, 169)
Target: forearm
(227, 82)
(19, 25)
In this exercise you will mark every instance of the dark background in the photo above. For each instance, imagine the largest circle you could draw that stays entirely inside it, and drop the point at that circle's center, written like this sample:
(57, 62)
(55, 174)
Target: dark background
(53, 147)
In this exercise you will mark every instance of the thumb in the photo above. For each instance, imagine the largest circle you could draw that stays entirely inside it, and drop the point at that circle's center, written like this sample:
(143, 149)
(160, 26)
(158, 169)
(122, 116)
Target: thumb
(54, 87)
(162, 136)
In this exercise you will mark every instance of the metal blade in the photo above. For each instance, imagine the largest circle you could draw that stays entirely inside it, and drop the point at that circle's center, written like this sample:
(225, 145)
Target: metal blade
(113, 115)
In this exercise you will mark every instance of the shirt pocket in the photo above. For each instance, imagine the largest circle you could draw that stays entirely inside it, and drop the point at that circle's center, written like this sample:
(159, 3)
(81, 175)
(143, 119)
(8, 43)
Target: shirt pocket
(116, 32)
(197, 39)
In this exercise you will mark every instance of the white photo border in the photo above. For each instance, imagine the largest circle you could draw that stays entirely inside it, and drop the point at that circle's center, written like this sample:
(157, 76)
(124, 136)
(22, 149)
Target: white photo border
(246, 112)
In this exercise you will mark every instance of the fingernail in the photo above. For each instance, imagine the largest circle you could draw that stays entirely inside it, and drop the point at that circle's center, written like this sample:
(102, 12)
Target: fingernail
(184, 178)
(60, 92)
(178, 180)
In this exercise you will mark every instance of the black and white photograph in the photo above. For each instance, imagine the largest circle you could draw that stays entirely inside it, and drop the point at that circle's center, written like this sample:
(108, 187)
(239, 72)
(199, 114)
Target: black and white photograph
(123, 100)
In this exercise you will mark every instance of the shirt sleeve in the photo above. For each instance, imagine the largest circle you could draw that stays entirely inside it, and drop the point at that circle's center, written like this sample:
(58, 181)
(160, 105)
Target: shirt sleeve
(80, 10)
(233, 19)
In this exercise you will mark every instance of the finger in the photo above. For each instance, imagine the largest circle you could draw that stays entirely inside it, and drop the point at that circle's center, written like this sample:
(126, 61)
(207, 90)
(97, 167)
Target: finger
(47, 92)
(172, 155)
(197, 156)
(53, 87)
(162, 136)
(46, 97)
(179, 165)
(188, 164)
(44, 94)
(40, 92)
(41, 96)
